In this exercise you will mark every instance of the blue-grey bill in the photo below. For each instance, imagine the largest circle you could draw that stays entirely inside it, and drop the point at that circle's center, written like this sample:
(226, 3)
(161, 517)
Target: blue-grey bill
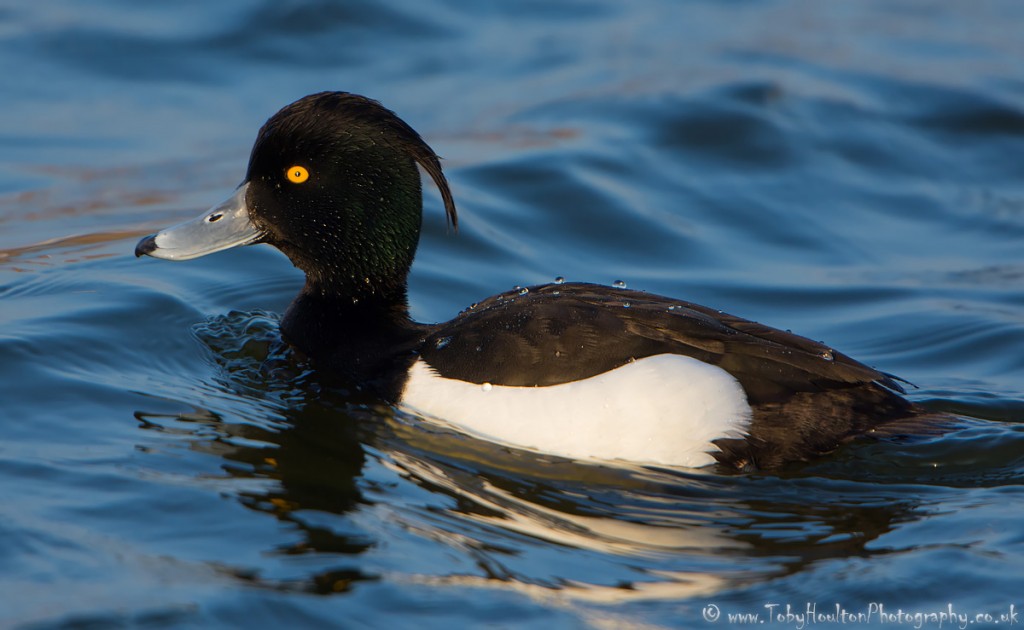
(224, 226)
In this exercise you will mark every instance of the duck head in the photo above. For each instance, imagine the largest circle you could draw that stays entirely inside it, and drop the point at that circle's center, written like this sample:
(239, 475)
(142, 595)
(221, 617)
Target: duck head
(332, 182)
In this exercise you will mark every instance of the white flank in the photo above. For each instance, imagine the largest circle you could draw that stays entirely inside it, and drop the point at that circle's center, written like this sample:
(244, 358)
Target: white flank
(664, 409)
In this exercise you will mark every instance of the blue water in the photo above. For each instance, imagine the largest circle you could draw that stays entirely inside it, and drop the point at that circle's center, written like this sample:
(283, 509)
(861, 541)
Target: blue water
(851, 171)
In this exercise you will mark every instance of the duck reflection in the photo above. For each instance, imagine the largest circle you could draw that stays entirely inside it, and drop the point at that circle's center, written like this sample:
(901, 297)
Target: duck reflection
(542, 525)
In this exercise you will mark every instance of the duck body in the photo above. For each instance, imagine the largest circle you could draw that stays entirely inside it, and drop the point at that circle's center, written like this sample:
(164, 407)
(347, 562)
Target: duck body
(572, 369)
(594, 372)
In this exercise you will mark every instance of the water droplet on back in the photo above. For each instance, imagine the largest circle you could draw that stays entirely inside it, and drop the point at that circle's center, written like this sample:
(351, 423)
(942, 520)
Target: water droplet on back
(559, 280)
(619, 284)
(442, 342)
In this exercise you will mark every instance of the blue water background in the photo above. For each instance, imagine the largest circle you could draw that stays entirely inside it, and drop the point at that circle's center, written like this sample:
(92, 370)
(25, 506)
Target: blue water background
(851, 171)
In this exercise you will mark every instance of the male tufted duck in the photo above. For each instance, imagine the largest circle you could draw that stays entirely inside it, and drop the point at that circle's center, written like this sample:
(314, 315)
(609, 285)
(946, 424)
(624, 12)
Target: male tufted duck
(577, 370)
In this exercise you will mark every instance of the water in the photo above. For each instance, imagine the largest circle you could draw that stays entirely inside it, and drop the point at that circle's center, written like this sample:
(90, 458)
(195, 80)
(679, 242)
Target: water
(850, 171)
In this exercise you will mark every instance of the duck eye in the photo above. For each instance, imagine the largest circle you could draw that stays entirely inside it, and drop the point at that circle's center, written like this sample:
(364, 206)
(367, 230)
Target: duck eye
(297, 174)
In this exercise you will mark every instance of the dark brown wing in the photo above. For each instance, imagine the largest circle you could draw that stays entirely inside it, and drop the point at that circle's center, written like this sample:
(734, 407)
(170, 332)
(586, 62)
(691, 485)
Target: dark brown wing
(558, 333)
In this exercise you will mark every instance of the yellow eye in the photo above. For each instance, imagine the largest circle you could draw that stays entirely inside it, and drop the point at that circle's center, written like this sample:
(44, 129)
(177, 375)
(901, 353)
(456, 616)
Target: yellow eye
(297, 174)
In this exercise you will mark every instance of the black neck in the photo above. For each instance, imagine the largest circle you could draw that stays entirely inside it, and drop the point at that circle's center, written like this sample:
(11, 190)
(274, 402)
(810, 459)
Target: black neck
(362, 338)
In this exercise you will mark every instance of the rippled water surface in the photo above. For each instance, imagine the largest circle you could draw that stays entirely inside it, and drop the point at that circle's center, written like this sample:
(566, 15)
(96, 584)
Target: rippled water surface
(851, 171)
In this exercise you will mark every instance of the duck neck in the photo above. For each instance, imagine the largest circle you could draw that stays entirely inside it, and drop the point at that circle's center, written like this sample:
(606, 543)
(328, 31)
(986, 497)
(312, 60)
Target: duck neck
(358, 336)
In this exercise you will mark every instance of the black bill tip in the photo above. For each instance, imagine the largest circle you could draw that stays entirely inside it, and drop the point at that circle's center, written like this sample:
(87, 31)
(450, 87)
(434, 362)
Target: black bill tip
(146, 246)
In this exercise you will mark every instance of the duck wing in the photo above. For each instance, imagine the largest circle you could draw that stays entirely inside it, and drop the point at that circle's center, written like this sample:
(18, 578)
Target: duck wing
(556, 333)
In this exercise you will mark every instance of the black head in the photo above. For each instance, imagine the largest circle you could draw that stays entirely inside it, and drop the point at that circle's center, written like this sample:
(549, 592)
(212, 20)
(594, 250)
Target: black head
(332, 182)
